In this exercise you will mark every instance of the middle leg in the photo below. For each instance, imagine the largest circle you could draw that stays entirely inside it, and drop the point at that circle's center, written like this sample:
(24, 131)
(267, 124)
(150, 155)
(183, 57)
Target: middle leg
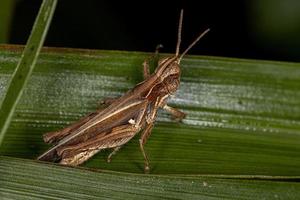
(145, 135)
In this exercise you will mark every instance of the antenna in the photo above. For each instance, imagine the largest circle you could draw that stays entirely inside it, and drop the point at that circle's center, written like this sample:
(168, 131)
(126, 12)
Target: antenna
(192, 44)
(179, 33)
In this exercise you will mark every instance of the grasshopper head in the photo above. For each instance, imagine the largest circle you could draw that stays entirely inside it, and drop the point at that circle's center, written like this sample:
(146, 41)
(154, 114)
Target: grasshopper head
(168, 72)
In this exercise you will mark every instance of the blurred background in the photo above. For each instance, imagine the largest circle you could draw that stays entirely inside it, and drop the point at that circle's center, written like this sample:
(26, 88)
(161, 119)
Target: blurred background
(258, 29)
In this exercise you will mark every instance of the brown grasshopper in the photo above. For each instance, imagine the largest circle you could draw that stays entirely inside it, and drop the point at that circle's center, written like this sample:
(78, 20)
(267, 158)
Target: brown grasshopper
(123, 118)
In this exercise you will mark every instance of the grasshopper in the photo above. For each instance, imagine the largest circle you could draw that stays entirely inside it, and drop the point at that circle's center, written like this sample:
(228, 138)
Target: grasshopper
(124, 117)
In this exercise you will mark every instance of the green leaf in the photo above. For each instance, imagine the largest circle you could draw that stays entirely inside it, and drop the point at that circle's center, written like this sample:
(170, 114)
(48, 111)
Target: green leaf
(26, 179)
(26, 65)
(241, 137)
(243, 115)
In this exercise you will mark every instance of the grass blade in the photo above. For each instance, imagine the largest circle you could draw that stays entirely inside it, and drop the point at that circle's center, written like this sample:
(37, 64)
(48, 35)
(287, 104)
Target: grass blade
(27, 179)
(26, 64)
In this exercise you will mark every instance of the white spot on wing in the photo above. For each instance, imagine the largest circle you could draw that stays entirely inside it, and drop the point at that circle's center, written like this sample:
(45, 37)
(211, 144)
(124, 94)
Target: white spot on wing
(131, 121)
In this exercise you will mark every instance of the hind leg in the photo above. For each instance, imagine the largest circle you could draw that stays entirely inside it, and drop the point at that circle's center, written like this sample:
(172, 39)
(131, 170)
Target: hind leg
(80, 151)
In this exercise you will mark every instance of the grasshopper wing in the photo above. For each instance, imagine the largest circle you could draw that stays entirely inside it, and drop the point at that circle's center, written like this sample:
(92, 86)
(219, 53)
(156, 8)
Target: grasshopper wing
(100, 127)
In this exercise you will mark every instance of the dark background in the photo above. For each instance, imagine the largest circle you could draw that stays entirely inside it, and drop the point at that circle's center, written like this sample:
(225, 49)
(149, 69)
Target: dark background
(259, 29)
